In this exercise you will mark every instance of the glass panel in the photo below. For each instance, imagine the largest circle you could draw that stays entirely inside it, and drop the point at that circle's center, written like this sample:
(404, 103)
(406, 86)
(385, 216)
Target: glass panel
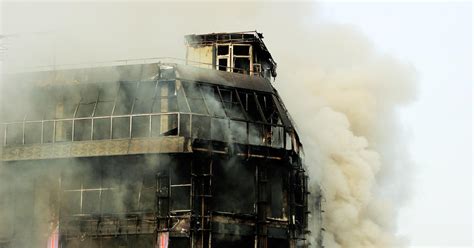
(15, 134)
(144, 97)
(2, 134)
(220, 129)
(104, 109)
(239, 131)
(232, 104)
(201, 127)
(101, 129)
(213, 101)
(121, 128)
(277, 137)
(82, 129)
(108, 92)
(197, 106)
(288, 141)
(71, 202)
(91, 202)
(267, 135)
(185, 125)
(182, 104)
(255, 134)
(140, 126)
(164, 125)
(111, 201)
(33, 133)
(125, 98)
(48, 131)
(89, 93)
(85, 110)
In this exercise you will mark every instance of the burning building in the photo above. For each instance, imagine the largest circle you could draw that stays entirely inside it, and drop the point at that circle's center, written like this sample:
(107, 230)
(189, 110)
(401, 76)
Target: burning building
(153, 153)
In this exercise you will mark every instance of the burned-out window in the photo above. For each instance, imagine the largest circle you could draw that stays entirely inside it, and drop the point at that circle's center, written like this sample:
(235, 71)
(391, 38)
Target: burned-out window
(105, 104)
(101, 129)
(242, 65)
(89, 97)
(195, 98)
(125, 98)
(223, 57)
(241, 58)
(250, 104)
(233, 186)
(212, 99)
(144, 97)
(231, 103)
(269, 109)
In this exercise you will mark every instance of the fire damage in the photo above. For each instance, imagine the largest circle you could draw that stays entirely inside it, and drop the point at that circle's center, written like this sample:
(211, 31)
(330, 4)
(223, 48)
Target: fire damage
(154, 154)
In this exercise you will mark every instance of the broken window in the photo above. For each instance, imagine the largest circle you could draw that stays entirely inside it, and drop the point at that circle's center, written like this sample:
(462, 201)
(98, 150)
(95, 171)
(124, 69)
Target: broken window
(195, 98)
(233, 186)
(242, 65)
(140, 126)
(249, 102)
(144, 97)
(231, 103)
(212, 99)
(105, 104)
(125, 98)
(121, 128)
(220, 129)
(82, 130)
(223, 57)
(101, 128)
(238, 131)
(15, 134)
(241, 58)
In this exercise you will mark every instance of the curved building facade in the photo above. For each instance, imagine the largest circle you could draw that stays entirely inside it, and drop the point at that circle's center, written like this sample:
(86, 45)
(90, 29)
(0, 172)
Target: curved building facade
(154, 154)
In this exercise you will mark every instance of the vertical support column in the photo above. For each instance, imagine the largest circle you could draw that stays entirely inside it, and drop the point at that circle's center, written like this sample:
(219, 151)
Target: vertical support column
(262, 202)
(202, 179)
(162, 207)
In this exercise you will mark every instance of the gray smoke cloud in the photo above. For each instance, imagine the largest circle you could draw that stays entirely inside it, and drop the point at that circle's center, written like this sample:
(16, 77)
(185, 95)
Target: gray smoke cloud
(342, 93)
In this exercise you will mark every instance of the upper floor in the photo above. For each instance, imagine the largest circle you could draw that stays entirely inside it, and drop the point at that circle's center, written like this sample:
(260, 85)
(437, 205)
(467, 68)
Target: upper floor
(239, 52)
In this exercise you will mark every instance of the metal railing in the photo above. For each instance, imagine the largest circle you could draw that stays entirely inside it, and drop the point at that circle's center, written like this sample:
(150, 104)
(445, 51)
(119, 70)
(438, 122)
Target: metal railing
(150, 125)
(151, 60)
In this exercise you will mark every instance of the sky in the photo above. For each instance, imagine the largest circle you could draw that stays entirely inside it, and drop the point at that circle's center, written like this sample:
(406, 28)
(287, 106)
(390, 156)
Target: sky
(437, 39)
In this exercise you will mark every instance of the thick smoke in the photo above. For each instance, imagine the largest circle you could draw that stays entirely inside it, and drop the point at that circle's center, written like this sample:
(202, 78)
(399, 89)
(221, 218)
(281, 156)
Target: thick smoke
(342, 93)
(346, 109)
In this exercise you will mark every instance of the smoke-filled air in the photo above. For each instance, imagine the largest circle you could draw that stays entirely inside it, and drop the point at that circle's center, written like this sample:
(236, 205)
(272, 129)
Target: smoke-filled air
(343, 94)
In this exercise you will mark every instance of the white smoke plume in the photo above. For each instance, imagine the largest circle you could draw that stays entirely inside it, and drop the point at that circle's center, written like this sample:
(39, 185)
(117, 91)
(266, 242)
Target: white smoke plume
(342, 93)
(346, 108)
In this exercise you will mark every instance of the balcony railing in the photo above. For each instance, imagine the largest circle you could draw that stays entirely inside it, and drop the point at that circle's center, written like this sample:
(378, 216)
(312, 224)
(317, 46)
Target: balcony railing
(151, 125)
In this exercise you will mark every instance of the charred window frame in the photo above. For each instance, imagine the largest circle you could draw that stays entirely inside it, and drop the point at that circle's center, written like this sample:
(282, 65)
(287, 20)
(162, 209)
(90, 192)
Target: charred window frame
(232, 104)
(242, 58)
(223, 57)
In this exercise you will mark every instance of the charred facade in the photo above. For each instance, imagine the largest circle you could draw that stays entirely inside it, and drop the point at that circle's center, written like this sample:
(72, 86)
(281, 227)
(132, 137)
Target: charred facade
(154, 154)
